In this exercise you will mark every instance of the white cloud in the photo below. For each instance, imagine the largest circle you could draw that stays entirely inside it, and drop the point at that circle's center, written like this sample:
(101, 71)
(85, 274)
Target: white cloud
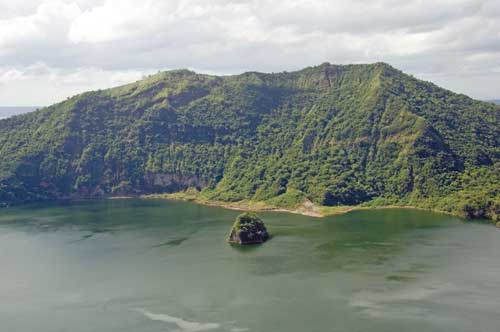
(57, 84)
(10, 75)
(115, 20)
(47, 25)
(432, 39)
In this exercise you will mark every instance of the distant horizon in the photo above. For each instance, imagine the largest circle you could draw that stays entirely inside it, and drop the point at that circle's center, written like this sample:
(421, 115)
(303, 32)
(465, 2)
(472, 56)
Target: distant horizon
(20, 106)
(8, 111)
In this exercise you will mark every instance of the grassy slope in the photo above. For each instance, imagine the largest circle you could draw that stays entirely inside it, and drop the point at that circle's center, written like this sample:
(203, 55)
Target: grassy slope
(334, 135)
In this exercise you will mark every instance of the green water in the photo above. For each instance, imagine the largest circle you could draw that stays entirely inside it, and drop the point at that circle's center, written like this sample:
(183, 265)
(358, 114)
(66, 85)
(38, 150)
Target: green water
(132, 265)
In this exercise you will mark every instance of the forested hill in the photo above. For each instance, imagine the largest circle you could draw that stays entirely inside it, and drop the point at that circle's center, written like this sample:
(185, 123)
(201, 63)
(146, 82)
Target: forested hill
(335, 135)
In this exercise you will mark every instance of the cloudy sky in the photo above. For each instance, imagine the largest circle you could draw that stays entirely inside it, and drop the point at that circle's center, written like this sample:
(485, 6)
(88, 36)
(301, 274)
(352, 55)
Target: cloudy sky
(52, 49)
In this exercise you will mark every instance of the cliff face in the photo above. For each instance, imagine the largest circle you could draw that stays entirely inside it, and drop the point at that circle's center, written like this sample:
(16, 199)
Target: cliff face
(340, 135)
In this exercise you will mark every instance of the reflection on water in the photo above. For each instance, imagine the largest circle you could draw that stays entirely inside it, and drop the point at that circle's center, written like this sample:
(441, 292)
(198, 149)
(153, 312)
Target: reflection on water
(171, 243)
(148, 265)
(179, 322)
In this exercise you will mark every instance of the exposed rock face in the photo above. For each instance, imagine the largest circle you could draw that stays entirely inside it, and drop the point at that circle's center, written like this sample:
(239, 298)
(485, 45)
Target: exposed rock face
(248, 229)
(161, 182)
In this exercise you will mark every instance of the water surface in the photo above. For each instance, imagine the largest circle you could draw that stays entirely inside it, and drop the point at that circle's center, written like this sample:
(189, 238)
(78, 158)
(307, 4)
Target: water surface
(153, 265)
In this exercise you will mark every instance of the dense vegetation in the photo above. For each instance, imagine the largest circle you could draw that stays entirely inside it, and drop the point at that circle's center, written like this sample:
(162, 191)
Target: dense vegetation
(248, 228)
(336, 135)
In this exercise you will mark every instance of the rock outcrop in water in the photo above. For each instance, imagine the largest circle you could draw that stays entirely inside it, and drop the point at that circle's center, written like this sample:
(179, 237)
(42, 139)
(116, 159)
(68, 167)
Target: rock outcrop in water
(248, 229)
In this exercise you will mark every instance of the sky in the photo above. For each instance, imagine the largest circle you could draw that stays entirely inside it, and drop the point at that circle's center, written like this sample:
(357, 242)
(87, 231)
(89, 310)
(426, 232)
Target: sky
(53, 49)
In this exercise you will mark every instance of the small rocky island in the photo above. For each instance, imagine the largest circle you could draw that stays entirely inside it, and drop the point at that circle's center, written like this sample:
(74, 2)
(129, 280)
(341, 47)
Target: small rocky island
(248, 229)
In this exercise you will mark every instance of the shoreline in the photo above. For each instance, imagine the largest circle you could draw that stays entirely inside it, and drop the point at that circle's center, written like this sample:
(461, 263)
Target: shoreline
(236, 206)
(306, 209)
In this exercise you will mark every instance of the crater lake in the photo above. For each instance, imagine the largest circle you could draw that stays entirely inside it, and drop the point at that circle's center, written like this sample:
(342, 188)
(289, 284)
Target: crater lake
(158, 265)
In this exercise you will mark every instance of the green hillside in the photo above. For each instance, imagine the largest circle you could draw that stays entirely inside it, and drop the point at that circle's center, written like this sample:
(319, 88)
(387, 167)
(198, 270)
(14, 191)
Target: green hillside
(335, 135)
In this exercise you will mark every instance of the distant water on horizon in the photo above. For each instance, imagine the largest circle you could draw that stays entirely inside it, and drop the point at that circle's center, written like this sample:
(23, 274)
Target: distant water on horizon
(8, 111)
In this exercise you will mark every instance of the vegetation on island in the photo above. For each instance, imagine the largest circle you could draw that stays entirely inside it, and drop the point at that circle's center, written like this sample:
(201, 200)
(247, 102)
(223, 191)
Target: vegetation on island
(248, 229)
(331, 136)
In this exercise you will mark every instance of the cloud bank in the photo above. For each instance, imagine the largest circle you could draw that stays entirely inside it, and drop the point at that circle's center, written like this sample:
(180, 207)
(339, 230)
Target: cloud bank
(50, 49)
